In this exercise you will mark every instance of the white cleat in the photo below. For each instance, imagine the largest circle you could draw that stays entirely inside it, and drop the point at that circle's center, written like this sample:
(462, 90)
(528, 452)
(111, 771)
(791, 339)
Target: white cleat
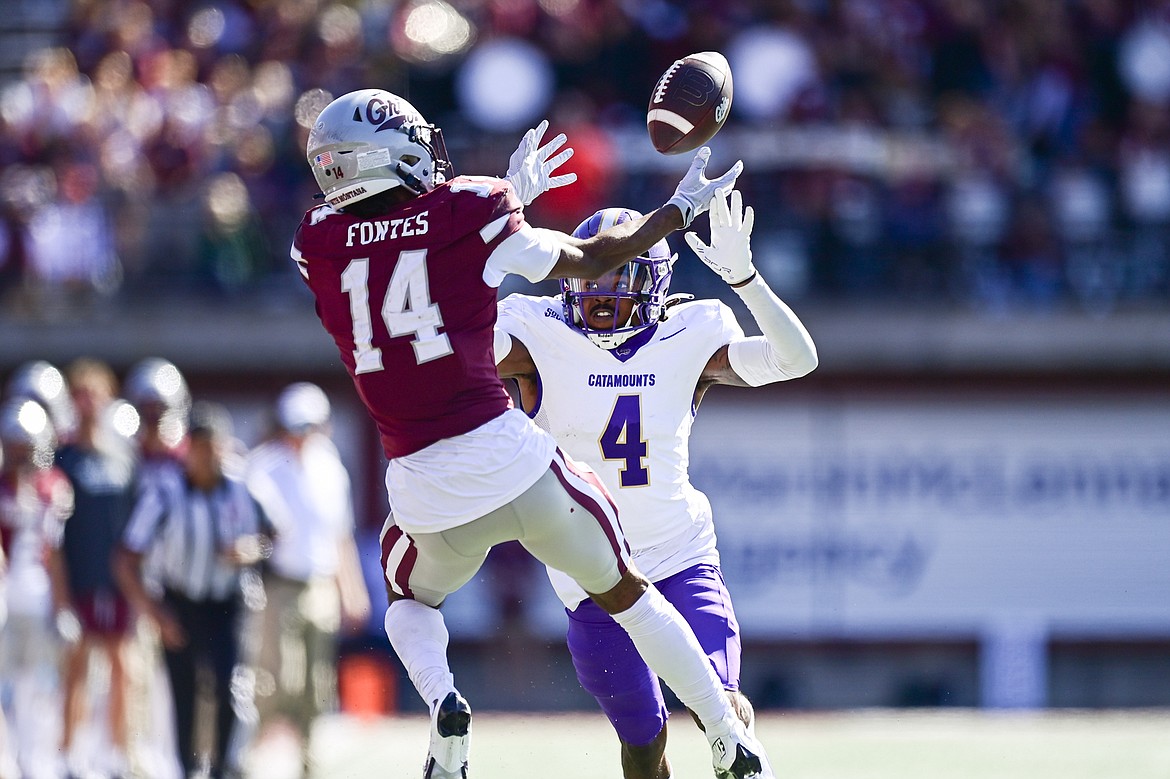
(750, 726)
(737, 755)
(450, 739)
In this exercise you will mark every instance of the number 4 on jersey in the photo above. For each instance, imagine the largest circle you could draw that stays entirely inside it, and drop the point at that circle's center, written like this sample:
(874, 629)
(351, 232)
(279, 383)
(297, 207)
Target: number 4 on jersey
(406, 310)
(622, 440)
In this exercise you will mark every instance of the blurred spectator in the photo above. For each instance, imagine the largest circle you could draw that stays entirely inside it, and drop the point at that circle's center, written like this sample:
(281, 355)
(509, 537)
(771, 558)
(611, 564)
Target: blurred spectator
(11, 253)
(233, 247)
(169, 102)
(1145, 190)
(313, 581)
(71, 259)
(8, 765)
(157, 390)
(208, 528)
(99, 463)
(43, 382)
(35, 501)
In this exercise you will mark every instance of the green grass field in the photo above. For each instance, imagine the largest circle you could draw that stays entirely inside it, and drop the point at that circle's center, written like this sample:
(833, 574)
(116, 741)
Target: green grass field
(917, 744)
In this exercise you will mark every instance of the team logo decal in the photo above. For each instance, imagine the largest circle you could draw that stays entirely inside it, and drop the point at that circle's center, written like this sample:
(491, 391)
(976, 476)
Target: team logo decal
(386, 114)
(721, 109)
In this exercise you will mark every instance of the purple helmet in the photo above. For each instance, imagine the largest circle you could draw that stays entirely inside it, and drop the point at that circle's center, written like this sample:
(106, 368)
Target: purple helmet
(644, 279)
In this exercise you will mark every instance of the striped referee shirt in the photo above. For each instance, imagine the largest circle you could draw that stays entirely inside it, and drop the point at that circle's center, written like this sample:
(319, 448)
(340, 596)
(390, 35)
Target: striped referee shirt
(192, 530)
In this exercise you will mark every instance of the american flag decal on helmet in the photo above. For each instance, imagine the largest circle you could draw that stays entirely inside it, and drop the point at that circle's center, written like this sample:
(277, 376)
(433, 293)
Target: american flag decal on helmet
(324, 160)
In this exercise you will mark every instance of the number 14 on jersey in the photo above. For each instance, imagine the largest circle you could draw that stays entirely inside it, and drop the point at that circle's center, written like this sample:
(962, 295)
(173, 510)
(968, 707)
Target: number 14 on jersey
(406, 310)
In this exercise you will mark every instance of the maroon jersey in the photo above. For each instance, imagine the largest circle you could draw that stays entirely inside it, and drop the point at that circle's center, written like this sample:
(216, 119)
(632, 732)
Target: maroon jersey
(38, 507)
(404, 298)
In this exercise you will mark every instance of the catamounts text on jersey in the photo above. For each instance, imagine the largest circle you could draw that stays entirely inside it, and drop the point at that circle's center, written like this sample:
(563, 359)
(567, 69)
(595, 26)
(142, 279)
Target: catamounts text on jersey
(621, 380)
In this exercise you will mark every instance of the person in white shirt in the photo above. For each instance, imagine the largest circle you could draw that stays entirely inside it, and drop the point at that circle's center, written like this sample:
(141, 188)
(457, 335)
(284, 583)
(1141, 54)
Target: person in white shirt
(313, 582)
(616, 370)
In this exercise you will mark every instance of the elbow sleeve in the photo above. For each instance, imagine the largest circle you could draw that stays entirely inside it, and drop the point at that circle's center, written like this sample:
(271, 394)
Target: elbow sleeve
(756, 362)
(784, 351)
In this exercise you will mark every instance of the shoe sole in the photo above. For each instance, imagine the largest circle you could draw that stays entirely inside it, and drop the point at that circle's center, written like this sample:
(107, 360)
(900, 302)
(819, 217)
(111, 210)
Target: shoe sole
(452, 721)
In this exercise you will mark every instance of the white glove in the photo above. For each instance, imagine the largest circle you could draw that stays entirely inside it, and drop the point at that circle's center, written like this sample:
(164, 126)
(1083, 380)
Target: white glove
(530, 169)
(695, 191)
(730, 252)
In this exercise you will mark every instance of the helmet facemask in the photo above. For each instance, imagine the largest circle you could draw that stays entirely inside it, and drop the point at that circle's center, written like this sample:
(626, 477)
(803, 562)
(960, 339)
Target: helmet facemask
(644, 280)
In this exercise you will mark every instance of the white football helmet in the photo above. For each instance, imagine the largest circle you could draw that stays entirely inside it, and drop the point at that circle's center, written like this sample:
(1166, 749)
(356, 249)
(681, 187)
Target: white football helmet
(43, 382)
(644, 279)
(158, 381)
(369, 141)
(158, 392)
(26, 432)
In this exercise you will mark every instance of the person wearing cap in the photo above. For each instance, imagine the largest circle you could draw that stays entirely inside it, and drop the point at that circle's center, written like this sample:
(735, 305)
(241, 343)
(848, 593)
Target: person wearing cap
(313, 581)
(207, 530)
(35, 501)
(158, 392)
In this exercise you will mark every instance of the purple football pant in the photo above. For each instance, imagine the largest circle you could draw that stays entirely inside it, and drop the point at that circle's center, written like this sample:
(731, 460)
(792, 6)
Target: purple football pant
(610, 669)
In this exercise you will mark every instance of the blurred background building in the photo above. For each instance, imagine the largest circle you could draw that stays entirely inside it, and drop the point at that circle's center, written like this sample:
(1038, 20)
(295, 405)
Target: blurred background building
(967, 203)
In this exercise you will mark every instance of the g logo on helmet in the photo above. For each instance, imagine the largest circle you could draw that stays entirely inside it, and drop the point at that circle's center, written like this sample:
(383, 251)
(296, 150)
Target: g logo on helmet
(376, 111)
(384, 114)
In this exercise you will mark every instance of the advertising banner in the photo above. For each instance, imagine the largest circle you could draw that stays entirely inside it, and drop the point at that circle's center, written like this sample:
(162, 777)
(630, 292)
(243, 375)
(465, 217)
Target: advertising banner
(941, 517)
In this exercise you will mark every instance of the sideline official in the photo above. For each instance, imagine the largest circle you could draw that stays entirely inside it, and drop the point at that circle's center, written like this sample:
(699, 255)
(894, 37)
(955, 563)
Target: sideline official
(206, 529)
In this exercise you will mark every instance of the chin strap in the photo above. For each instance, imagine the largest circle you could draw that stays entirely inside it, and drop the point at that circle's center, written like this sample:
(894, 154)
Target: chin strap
(676, 299)
(409, 180)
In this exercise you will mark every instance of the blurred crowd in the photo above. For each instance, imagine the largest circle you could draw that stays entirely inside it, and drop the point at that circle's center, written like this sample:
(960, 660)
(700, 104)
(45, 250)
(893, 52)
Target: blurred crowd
(1001, 154)
(171, 602)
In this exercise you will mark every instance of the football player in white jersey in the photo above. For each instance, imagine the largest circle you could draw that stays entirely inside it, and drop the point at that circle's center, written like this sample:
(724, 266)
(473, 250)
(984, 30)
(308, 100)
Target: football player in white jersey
(615, 370)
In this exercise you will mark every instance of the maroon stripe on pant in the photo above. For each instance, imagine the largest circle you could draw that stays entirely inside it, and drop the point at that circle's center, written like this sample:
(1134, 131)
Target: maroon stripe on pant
(560, 464)
(401, 577)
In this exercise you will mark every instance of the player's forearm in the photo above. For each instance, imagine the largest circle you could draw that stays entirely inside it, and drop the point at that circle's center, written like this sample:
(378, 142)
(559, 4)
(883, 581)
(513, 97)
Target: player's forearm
(786, 351)
(619, 244)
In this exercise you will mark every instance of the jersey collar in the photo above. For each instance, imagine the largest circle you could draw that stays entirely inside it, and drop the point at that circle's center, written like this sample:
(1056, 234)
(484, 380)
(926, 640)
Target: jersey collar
(631, 345)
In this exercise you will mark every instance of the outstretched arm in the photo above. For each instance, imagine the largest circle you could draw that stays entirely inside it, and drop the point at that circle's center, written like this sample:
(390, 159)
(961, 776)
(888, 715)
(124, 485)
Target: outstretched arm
(785, 350)
(591, 258)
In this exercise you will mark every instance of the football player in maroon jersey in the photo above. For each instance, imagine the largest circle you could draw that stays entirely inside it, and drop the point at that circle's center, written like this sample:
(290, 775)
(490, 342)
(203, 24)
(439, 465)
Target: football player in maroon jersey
(404, 260)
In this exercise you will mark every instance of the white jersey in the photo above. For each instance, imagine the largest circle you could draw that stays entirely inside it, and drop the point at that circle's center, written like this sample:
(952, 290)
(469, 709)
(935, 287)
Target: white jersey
(308, 500)
(627, 414)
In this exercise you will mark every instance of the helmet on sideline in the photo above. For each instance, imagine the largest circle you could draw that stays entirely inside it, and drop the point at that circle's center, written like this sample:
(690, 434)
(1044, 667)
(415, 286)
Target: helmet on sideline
(156, 381)
(158, 392)
(644, 279)
(26, 428)
(369, 141)
(43, 382)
